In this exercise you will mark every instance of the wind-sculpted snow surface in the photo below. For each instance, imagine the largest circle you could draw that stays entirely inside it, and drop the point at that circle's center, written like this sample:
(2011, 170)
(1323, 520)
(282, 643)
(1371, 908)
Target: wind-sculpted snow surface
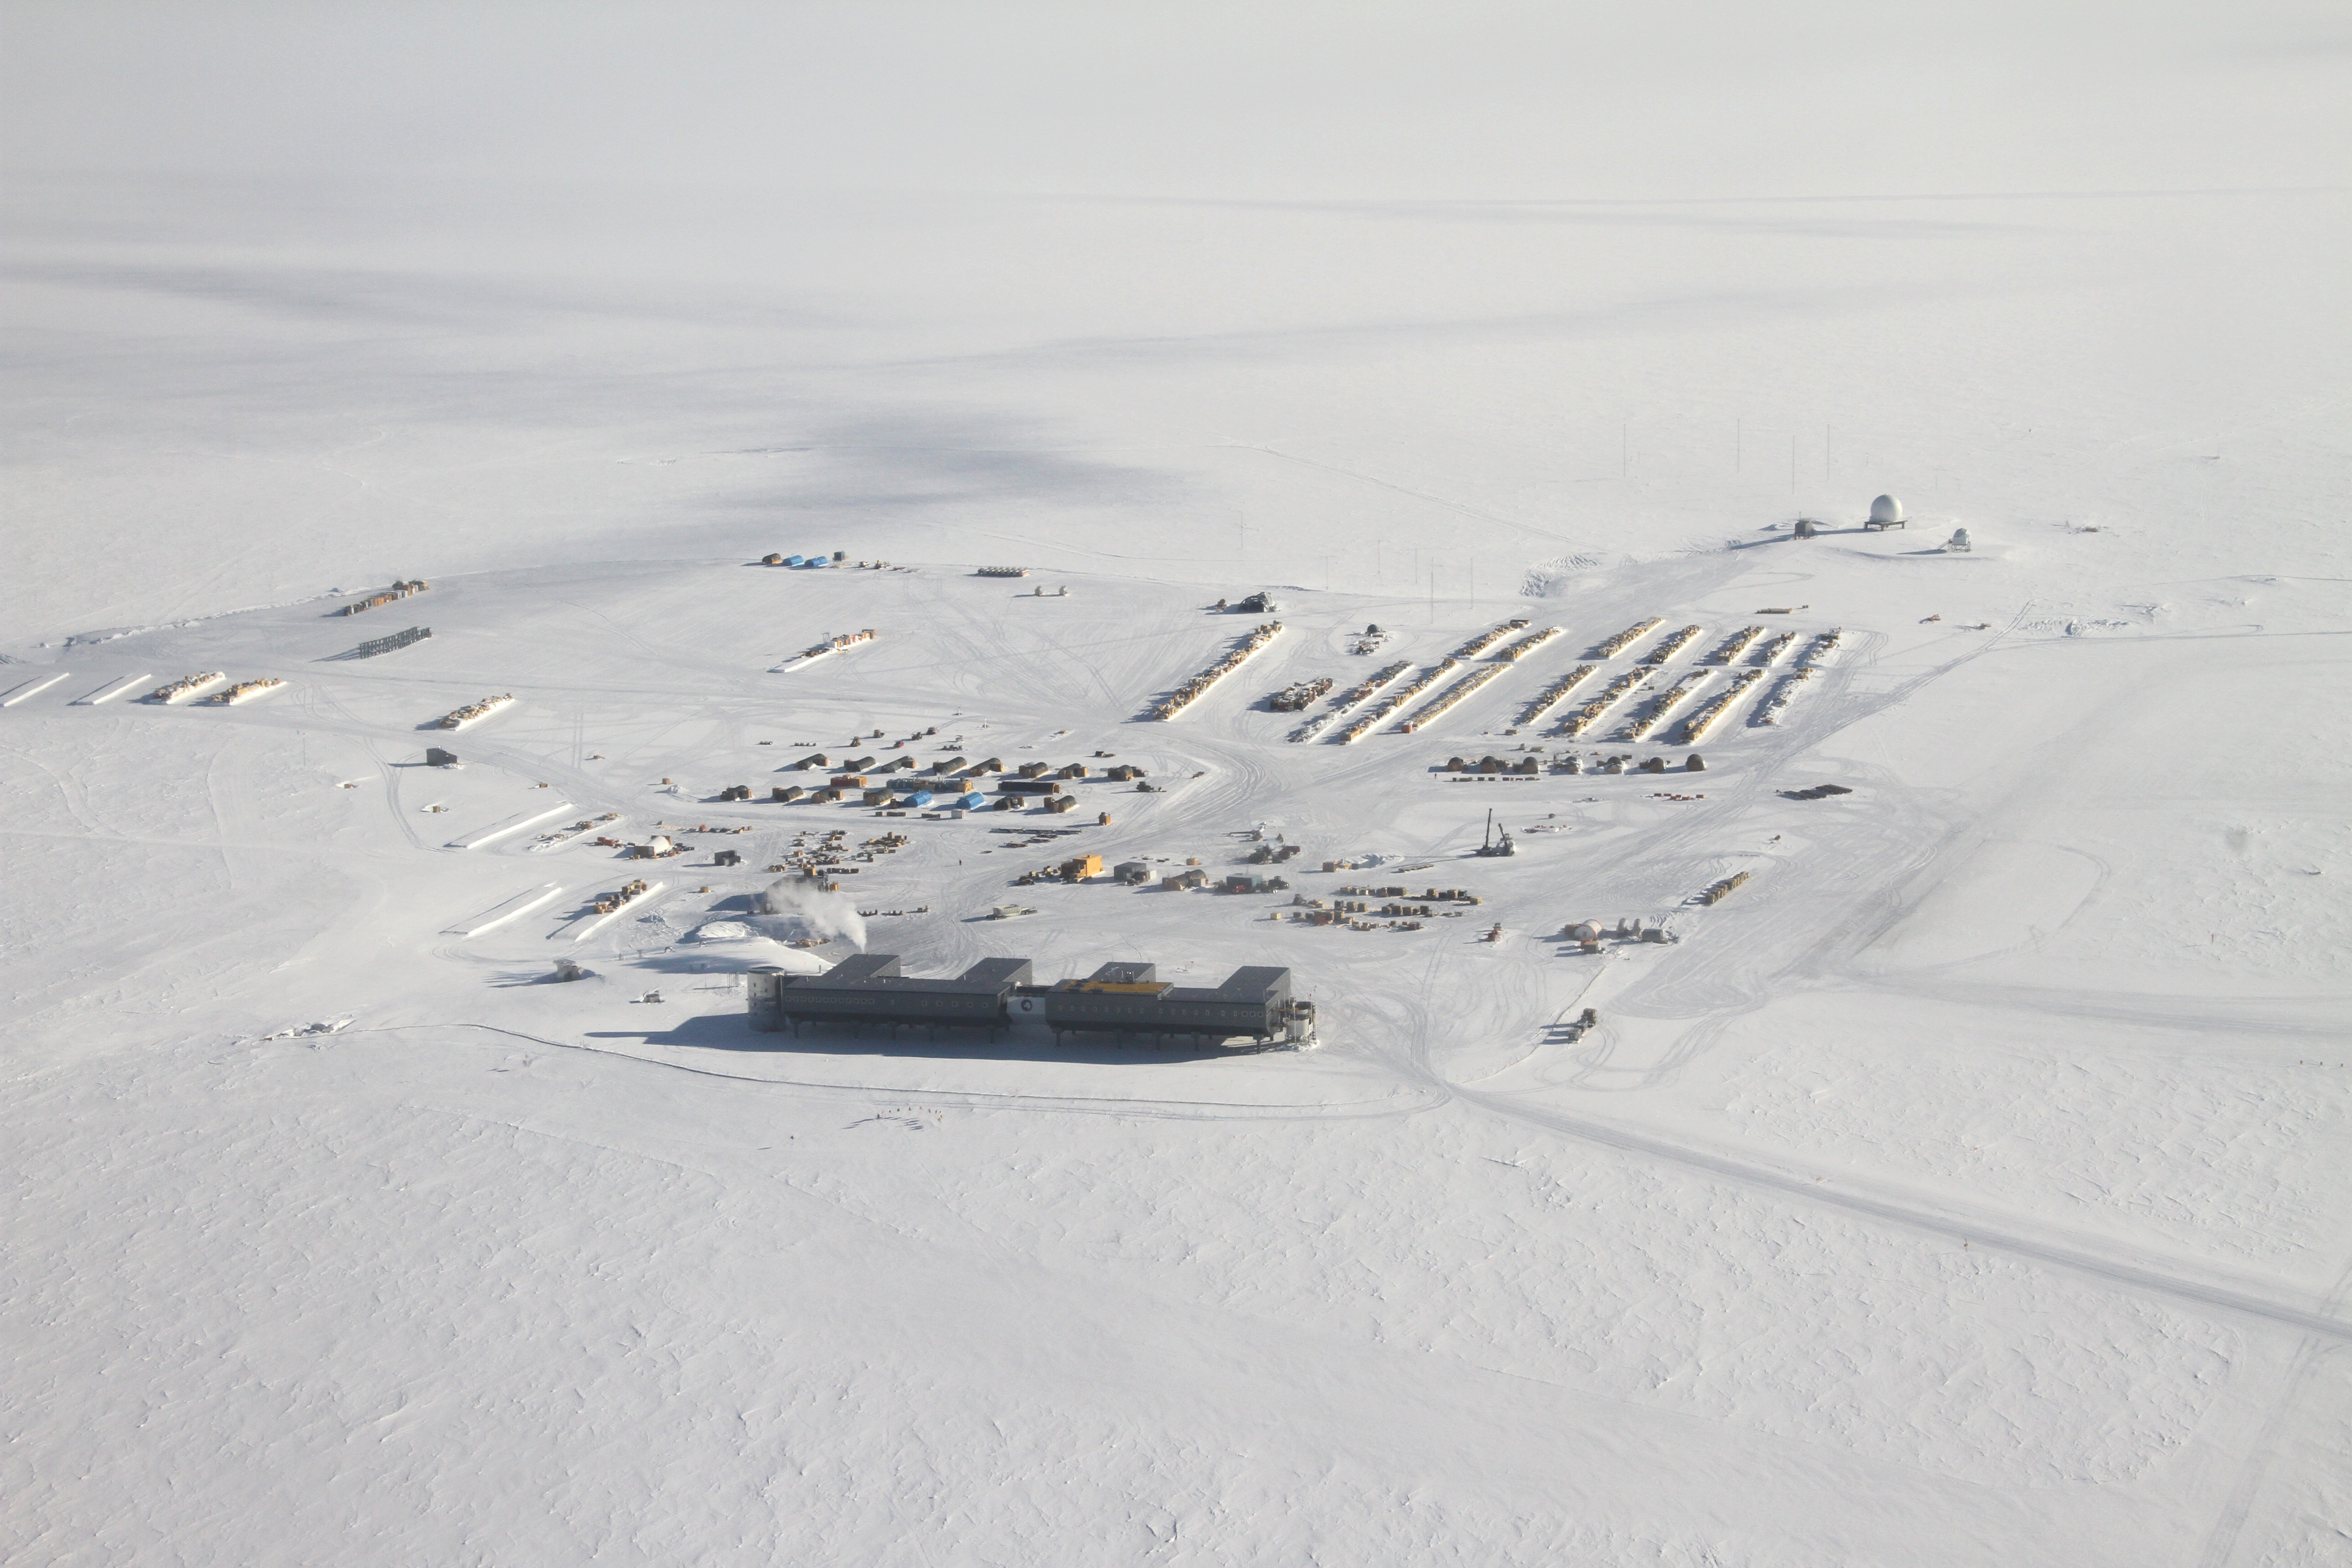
(1573, 1288)
(645, 1262)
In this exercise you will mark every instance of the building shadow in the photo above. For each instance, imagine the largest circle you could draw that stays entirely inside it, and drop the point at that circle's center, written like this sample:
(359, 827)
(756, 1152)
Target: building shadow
(734, 1032)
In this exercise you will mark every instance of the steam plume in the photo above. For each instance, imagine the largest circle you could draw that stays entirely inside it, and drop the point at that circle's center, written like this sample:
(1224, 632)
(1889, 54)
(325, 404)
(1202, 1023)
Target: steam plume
(796, 901)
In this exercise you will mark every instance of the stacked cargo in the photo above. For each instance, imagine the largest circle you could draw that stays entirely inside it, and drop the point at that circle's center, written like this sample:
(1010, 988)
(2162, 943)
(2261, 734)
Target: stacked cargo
(466, 715)
(837, 643)
(1674, 645)
(1699, 723)
(1728, 650)
(1627, 639)
(1528, 644)
(1450, 696)
(1293, 699)
(1371, 717)
(1356, 694)
(187, 687)
(1488, 639)
(1349, 698)
(1816, 654)
(1584, 717)
(1197, 686)
(245, 689)
(1667, 702)
(607, 903)
(398, 591)
(1550, 696)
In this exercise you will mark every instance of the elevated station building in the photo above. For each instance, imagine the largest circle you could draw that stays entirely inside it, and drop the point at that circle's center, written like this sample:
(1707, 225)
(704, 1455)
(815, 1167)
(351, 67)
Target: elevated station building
(1124, 1000)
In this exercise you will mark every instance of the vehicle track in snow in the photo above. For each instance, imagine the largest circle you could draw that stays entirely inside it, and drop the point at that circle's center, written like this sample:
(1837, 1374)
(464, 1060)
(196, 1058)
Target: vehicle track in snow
(2219, 1546)
(2084, 1256)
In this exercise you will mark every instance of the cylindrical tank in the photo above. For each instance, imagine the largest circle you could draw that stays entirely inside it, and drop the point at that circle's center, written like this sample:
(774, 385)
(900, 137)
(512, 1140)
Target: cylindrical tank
(1584, 930)
(1886, 508)
(762, 987)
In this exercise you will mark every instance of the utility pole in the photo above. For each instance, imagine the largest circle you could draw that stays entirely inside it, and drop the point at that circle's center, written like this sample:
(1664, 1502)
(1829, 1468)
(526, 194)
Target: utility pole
(1738, 440)
(1793, 464)
(1825, 451)
(1433, 596)
(1625, 450)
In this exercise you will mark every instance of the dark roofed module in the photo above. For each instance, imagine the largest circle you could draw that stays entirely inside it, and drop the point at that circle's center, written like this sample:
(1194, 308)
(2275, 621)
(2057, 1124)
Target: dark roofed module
(870, 989)
(1129, 999)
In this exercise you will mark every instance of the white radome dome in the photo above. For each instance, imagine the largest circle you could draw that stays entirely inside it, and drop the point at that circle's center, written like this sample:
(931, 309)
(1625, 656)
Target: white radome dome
(1886, 508)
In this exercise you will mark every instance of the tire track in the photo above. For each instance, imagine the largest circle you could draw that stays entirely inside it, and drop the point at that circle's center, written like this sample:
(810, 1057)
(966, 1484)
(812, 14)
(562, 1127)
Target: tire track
(2075, 1255)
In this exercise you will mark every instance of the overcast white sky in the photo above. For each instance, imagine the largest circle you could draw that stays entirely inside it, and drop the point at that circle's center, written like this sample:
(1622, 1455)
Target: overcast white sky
(1479, 101)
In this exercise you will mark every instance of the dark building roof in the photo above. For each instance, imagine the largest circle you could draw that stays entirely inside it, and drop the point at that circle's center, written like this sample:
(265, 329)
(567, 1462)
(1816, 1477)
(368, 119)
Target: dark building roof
(869, 985)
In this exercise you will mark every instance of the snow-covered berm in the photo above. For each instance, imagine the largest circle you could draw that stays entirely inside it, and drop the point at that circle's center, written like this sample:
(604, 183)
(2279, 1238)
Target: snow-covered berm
(1964, 1188)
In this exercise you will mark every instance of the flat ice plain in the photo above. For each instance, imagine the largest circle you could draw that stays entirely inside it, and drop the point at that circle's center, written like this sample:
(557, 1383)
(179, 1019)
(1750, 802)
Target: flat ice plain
(1965, 1189)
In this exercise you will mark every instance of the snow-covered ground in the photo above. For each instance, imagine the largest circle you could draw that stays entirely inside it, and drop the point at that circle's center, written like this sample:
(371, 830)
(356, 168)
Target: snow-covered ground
(1965, 1187)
